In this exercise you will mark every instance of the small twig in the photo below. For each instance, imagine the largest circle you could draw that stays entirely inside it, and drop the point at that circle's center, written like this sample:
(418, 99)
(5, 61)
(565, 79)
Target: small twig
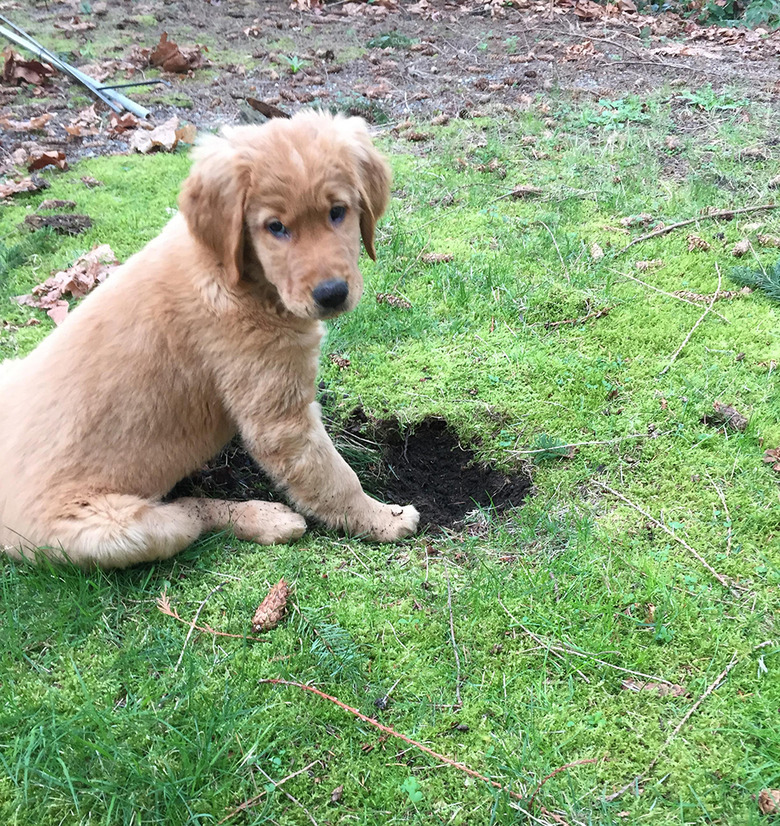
(558, 771)
(728, 214)
(294, 800)
(566, 649)
(726, 511)
(164, 606)
(458, 701)
(718, 680)
(387, 730)
(597, 314)
(247, 804)
(194, 620)
(557, 249)
(537, 639)
(583, 444)
(724, 581)
(663, 292)
(693, 329)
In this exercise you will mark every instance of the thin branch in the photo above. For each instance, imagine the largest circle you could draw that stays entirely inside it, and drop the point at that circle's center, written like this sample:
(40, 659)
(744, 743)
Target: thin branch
(387, 730)
(294, 800)
(164, 606)
(194, 620)
(693, 329)
(728, 214)
(724, 581)
(458, 701)
(253, 801)
(718, 680)
(557, 249)
(558, 771)
(538, 640)
(668, 295)
(583, 444)
(566, 649)
(726, 511)
(597, 314)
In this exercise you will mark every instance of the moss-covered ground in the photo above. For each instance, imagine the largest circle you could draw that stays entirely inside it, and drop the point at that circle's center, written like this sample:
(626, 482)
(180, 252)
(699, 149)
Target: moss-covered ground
(109, 714)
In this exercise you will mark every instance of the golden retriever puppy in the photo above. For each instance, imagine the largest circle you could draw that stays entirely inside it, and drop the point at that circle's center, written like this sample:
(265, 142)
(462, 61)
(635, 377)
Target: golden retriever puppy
(213, 328)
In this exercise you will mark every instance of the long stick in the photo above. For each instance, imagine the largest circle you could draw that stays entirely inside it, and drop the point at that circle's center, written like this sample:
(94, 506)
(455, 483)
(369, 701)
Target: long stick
(724, 581)
(693, 329)
(720, 213)
(718, 680)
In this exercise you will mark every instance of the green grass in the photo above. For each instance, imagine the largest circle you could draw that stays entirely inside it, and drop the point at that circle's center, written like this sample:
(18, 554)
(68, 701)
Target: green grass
(108, 714)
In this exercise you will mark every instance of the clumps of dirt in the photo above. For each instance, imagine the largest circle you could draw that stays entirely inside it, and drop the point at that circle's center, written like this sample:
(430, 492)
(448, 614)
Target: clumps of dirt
(425, 466)
(65, 224)
(428, 467)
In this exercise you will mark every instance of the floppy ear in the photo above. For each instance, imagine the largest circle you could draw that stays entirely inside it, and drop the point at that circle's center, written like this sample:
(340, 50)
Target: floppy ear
(374, 181)
(212, 201)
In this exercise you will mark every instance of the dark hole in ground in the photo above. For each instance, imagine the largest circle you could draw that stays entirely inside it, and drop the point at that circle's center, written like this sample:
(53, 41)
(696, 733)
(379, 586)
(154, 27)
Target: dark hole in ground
(424, 466)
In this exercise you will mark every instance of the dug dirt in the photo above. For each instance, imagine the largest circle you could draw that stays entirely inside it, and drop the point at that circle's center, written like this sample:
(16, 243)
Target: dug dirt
(425, 466)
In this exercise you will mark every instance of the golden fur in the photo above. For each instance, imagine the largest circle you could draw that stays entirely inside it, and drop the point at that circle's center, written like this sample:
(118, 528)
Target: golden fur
(210, 330)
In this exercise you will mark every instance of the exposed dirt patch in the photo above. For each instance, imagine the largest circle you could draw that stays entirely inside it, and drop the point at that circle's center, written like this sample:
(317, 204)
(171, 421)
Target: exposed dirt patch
(429, 468)
(425, 466)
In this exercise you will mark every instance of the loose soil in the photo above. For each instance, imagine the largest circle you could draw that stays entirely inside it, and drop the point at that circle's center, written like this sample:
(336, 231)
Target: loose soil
(425, 466)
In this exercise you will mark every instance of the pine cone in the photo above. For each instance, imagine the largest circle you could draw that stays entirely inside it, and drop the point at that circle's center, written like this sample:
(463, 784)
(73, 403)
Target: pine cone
(272, 609)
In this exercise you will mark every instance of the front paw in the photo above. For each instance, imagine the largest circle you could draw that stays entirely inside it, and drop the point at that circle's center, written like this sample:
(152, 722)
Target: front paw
(395, 522)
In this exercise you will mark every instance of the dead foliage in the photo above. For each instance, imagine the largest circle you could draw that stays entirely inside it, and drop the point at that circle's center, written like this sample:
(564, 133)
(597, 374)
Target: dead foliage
(772, 457)
(40, 158)
(17, 70)
(32, 125)
(170, 57)
(84, 275)
(769, 801)
(166, 136)
(437, 257)
(64, 224)
(31, 184)
(661, 689)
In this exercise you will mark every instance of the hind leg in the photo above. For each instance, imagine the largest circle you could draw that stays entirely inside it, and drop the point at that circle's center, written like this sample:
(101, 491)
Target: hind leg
(116, 530)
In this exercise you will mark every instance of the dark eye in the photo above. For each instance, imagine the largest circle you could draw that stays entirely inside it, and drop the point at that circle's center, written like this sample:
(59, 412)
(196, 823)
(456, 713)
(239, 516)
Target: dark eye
(337, 214)
(277, 229)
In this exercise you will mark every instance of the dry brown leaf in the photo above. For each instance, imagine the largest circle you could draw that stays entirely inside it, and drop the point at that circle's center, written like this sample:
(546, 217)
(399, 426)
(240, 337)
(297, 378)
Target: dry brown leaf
(418, 137)
(17, 70)
(272, 609)
(769, 801)
(741, 248)
(267, 109)
(161, 137)
(342, 362)
(336, 794)
(31, 125)
(662, 689)
(596, 252)
(46, 157)
(772, 457)
(31, 184)
(84, 275)
(171, 57)
(65, 224)
(118, 124)
(87, 122)
(75, 24)
(55, 203)
(588, 10)
(90, 182)
(768, 240)
(672, 143)
(186, 134)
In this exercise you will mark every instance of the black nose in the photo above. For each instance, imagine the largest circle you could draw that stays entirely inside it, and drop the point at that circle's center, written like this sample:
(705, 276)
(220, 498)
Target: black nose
(331, 293)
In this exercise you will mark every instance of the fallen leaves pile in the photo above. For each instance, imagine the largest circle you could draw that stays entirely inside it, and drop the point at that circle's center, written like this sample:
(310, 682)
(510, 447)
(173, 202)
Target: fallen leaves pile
(82, 277)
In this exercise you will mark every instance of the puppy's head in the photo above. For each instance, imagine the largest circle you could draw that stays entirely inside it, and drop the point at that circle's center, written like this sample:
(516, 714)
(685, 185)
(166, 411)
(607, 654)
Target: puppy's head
(302, 192)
